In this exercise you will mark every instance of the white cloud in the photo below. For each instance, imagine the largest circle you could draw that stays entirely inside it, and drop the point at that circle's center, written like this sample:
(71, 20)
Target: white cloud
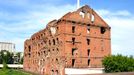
(29, 23)
(114, 13)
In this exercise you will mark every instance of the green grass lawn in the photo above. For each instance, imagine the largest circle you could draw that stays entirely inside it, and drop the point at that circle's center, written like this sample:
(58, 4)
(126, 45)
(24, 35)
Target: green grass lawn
(12, 72)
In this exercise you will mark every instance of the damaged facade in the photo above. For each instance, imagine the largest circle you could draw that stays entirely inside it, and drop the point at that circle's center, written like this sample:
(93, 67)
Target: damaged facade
(79, 39)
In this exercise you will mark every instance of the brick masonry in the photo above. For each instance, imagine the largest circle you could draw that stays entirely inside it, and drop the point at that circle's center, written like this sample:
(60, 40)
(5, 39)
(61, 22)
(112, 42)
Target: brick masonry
(79, 39)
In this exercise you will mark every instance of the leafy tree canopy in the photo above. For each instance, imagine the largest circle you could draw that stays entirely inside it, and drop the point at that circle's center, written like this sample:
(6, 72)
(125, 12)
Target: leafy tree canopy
(118, 63)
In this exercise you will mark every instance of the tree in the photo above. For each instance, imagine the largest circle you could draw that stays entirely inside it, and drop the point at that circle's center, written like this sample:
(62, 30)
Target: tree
(6, 58)
(21, 61)
(118, 63)
(19, 58)
(4, 55)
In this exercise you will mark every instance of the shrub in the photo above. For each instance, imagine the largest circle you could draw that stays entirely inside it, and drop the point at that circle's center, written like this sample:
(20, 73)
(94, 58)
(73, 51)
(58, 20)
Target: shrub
(118, 63)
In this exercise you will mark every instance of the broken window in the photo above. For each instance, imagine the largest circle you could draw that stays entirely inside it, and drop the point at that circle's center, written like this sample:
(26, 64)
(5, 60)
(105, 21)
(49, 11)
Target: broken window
(53, 42)
(73, 29)
(73, 51)
(57, 40)
(88, 62)
(88, 52)
(88, 15)
(73, 62)
(82, 14)
(88, 41)
(92, 18)
(73, 40)
(29, 47)
(88, 28)
(102, 30)
(38, 53)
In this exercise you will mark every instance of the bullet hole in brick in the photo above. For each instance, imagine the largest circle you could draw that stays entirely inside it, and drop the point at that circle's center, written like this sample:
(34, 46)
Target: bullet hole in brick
(56, 60)
(57, 50)
(102, 30)
(57, 39)
(41, 43)
(41, 34)
(57, 28)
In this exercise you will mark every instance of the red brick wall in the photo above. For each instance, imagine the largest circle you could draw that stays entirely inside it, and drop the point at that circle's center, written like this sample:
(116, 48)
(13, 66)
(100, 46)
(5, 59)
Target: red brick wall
(42, 56)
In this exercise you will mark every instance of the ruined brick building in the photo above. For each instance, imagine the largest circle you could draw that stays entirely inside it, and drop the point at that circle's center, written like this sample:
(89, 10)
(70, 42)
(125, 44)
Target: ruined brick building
(79, 39)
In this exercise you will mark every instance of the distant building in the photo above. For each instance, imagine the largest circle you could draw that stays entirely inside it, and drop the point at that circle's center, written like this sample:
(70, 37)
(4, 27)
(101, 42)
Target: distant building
(7, 46)
(80, 39)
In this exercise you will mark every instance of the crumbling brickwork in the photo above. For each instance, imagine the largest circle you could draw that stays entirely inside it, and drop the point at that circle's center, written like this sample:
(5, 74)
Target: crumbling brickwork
(79, 39)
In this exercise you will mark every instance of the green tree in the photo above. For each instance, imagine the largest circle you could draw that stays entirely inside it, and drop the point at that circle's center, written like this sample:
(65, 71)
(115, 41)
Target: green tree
(118, 63)
(21, 62)
(6, 58)
(4, 55)
(20, 59)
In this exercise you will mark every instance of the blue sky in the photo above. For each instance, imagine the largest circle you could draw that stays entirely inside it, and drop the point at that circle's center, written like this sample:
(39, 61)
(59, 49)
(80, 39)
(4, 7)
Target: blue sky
(19, 19)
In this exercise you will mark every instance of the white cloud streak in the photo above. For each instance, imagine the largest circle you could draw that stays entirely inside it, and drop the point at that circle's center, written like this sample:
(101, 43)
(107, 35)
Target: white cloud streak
(29, 23)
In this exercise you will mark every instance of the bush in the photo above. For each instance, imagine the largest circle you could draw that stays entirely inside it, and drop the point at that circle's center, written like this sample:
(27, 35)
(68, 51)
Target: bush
(118, 63)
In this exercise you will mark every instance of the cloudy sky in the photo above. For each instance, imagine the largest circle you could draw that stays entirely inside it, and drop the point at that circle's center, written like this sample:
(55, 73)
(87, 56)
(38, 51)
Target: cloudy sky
(19, 19)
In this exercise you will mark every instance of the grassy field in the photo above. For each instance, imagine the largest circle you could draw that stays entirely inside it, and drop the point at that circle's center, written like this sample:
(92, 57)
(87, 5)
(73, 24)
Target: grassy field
(12, 72)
